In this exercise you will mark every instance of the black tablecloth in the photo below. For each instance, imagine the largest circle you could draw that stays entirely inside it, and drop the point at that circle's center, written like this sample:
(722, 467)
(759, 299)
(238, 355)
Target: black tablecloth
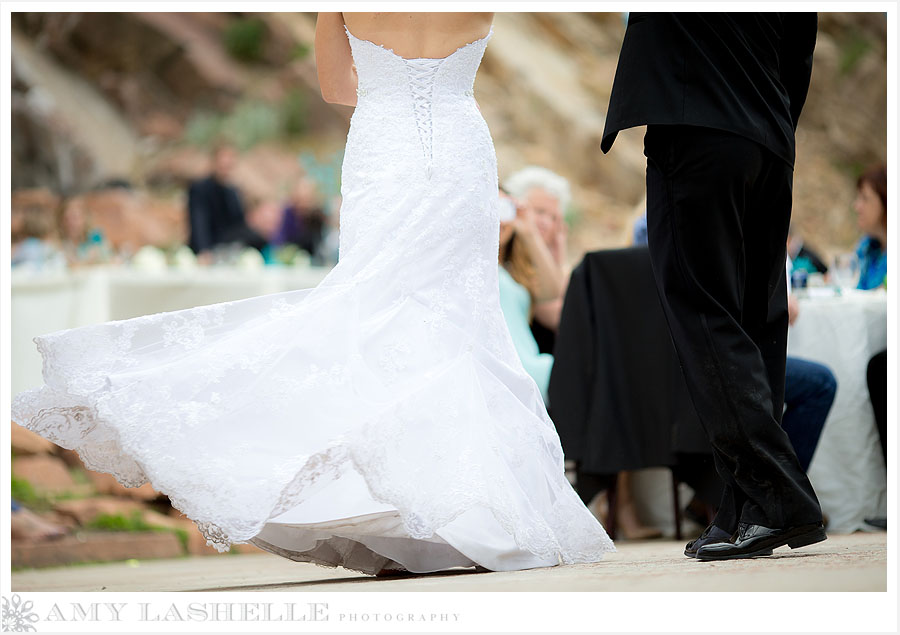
(617, 394)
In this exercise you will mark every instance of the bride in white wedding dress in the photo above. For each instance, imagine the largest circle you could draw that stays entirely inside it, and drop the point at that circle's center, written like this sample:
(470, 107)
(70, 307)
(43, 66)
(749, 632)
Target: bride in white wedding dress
(379, 421)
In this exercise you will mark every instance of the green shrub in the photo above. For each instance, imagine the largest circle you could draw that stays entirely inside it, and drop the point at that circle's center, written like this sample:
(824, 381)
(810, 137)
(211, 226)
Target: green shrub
(300, 51)
(244, 39)
(182, 538)
(250, 123)
(23, 492)
(117, 522)
(202, 127)
(134, 522)
(79, 476)
(294, 110)
(853, 49)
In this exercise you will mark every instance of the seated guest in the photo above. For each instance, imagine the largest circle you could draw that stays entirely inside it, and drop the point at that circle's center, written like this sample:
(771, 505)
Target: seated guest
(876, 380)
(215, 210)
(329, 248)
(802, 256)
(871, 210)
(264, 217)
(33, 243)
(547, 195)
(82, 241)
(528, 275)
(639, 231)
(302, 220)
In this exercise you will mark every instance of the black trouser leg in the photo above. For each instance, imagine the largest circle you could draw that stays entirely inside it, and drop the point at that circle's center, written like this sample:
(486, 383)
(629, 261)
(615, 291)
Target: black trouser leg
(876, 379)
(718, 208)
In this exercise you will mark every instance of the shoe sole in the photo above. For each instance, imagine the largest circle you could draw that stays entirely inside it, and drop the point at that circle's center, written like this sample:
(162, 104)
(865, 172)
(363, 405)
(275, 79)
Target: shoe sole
(817, 535)
(754, 554)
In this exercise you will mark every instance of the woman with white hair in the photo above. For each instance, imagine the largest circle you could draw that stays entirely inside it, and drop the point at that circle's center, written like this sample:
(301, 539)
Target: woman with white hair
(527, 275)
(547, 195)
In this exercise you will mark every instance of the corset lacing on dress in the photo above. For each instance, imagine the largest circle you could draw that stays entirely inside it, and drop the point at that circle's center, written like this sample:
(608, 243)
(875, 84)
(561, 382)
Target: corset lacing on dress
(421, 76)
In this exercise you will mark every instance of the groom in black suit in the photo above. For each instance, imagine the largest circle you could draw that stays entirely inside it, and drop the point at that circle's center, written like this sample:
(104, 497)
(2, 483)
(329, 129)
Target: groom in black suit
(721, 95)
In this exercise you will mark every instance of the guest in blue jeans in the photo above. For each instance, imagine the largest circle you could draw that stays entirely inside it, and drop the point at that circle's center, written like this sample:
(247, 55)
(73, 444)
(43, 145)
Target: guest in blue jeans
(809, 390)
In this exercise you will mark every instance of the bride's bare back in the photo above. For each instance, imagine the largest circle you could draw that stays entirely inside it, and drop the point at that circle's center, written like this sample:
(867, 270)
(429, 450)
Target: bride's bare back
(409, 35)
(414, 35)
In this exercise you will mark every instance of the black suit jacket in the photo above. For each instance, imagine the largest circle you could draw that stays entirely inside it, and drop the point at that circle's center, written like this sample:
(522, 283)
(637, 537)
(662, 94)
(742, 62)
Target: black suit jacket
(216, 215)
(746, 73)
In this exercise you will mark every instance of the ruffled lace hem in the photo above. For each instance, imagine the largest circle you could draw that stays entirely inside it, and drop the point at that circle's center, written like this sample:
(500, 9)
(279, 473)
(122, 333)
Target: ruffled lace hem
(567, 531)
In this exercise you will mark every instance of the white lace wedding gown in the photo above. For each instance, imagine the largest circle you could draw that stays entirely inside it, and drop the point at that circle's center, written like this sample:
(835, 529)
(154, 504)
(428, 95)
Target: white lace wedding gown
(379, 420)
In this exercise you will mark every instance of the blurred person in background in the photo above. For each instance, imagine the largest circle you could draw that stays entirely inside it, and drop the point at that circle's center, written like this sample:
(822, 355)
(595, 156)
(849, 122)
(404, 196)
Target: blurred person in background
(264, 217)
(16, 225)
(215, 210)
(871, 216)
(547, 195)
(639, 230)
(330, 247)
(802, 257)
(82, 241)
(33, 242)
(302, 220)
(876, 381)
(528, 275)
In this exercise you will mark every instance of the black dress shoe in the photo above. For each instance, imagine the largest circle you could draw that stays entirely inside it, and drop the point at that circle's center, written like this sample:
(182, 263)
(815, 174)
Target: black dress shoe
(711, 534)
(756, 540)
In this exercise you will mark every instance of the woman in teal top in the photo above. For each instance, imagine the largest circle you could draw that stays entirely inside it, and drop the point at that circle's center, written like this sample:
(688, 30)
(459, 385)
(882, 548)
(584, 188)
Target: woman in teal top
(516, 304)
(871, 215)
(528, 274)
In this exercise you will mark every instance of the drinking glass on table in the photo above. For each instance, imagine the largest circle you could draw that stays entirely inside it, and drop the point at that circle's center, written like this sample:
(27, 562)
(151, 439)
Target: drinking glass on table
(845, 270)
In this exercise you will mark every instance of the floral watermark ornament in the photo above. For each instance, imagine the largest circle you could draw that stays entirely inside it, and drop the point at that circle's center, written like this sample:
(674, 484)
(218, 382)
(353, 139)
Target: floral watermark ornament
(17, 616)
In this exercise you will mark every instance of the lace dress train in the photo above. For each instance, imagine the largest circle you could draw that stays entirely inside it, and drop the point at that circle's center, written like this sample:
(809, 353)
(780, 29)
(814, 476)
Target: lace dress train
(381, 419)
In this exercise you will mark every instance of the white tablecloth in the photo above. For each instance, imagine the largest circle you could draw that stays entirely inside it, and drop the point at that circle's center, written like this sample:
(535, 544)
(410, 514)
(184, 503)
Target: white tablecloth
(847, 469)
(46, 302)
